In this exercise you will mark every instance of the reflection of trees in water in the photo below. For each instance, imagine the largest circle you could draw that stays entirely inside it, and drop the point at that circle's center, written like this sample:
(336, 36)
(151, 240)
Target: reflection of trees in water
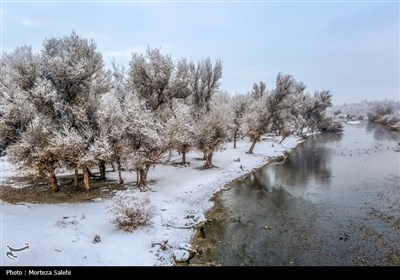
(311, 161)
(380, 132)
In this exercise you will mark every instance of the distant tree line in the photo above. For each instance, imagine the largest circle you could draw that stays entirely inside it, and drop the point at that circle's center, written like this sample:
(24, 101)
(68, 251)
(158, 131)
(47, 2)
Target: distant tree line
(385, 111)
(60, 108)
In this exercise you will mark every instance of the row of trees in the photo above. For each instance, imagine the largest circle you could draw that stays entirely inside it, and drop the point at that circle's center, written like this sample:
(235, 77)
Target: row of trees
(386, 112)
(61, 108)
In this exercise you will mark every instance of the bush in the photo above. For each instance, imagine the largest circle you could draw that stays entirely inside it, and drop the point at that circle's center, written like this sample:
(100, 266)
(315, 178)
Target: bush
(394, 118)
(330, 125)
(130, 212)
(378, 109)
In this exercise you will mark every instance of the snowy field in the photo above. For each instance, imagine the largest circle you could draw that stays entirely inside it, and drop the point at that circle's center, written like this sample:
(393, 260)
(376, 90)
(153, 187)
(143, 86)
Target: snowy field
(63, 234)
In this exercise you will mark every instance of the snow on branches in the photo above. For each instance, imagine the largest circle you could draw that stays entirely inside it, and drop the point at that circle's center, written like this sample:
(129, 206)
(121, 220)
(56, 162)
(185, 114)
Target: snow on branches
(60, 108)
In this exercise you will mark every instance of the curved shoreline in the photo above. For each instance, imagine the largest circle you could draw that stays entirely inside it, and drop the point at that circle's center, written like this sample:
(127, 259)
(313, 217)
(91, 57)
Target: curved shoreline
(267, 160)
(218, 211)
(290, 214)
(181, 197)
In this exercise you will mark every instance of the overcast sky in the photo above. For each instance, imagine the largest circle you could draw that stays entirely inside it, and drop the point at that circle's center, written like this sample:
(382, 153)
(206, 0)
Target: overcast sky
(351, 48)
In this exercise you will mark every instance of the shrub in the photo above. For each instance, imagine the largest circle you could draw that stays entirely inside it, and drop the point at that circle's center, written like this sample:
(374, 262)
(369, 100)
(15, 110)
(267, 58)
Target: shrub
(331, 125)
(130, 212)
(394, 118)
(379, 109)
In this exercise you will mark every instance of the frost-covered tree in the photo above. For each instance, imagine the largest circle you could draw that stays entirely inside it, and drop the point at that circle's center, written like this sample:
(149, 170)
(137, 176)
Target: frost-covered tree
(32, 152)
(204, 83)
(150, 77)
(112, 130)
(212, 130)
(179, 129)
(61, 86)
(18, 75)
(271, 111)
(144, 141)
(180, 81)
(312, 110)
(380, 111)
(76, 71)
(108, 145)
(70, 146)
(26, 110)
(240, 104)
(259, 90)
(383, 111)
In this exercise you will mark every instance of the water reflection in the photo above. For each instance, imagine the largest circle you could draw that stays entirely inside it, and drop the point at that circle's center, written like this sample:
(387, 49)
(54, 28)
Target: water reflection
(309, 162)
(334, 201)
(379, 132)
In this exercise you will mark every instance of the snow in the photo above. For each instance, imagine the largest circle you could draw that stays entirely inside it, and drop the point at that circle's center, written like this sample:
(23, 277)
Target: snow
(181, 255)
(353, 122)
(6, 169)
(63, 234)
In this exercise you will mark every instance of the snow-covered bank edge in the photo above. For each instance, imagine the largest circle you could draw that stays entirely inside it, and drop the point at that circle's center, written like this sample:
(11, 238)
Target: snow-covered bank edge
(63, 234)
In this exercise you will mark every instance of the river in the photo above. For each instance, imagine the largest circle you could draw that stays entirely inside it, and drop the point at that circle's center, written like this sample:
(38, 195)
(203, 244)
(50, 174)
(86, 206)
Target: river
(335, 200)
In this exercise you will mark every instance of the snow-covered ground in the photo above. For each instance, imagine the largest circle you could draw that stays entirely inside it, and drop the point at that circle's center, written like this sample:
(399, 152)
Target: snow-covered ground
(353, 122)
(6, 169)
(63, 234)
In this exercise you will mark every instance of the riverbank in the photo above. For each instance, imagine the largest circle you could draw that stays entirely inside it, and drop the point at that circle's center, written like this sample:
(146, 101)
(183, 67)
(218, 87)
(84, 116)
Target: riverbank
(332, 202)
(64, 234)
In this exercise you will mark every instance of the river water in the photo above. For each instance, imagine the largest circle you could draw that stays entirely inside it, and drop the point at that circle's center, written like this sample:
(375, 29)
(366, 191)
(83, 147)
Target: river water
(335, 200)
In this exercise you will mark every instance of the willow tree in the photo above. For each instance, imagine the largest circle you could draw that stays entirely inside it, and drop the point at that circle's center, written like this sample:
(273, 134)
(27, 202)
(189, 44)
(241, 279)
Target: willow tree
(76, 70)
(61, 87)
(271, 110)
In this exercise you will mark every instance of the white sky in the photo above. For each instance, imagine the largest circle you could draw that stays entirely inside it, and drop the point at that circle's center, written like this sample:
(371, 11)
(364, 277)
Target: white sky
(350, 48)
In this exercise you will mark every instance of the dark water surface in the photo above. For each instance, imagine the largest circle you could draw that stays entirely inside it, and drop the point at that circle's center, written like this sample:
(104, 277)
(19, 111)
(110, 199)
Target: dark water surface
(334, 201)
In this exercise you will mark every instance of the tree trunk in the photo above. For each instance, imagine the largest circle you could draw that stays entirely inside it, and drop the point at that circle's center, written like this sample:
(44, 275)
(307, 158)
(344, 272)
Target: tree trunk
(76, 178)
(86, 178)
(53, 180)
(121, 181)
(90, 172)
(184, 156)
(285, 132)
(113, 166)
(142, 178)
(102, 167)
(234, 139)
(209, 157)
(169, 156)
(147, 170)
(252, 146)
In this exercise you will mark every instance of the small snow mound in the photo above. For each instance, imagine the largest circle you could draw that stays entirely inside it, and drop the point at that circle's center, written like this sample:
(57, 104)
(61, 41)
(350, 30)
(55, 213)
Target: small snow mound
(353, 122)
(181, 255)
